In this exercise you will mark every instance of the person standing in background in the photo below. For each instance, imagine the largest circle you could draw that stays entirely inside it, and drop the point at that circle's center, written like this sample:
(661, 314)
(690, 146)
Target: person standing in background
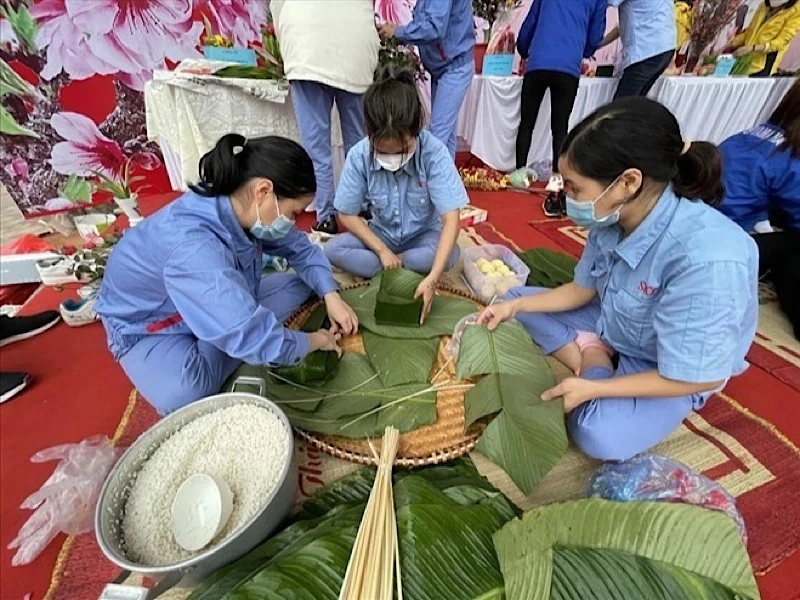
(770, 32)
(648, 33)
(330, 51)
(683, 22)
(554, 39)
(444, 33)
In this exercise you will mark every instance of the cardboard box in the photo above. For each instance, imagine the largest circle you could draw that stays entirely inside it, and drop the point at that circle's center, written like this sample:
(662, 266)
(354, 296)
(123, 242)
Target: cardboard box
(471, 216)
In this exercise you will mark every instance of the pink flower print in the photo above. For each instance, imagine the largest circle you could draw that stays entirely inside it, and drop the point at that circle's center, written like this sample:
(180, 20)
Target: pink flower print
(18, 168)
(85, 149)
(395, 11)
(146, 160)
(237, 20)
(67, 46)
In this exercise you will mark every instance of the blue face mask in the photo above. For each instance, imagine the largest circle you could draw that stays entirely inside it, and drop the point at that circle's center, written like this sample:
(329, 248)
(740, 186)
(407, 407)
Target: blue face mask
(276, 230)
(583, 213)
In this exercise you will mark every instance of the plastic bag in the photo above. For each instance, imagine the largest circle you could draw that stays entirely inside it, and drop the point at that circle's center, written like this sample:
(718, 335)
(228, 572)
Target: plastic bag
(66, 502)
(654, 477)
(451, 349)
(488, 287)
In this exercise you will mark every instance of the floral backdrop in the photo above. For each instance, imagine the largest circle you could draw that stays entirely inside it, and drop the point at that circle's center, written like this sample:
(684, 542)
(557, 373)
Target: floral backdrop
(72, 74)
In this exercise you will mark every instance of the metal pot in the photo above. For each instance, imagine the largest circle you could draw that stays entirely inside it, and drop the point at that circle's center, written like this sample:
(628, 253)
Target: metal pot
(111, 505)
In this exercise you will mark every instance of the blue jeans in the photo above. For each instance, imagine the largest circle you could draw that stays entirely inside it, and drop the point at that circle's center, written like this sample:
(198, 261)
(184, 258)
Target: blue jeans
(350, 254)
(606, 428)
(448, 90)
(313, 103)
(174, 370)
(638, 78)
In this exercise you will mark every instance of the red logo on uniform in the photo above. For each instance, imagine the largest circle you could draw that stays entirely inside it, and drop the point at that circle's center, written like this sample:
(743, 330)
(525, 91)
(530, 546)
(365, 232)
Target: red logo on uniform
(647, 289)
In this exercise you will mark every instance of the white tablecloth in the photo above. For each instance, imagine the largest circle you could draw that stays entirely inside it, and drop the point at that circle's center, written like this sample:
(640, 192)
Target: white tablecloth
(186, 116)
(707, 108)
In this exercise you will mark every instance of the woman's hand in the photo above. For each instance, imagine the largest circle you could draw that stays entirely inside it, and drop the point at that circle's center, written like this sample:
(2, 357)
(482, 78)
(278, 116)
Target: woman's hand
(325, 340)
(743, 51)
(386, 30)
(343, 318)
(389, 259)
(426, 289)
(495, 314)
(575, 391)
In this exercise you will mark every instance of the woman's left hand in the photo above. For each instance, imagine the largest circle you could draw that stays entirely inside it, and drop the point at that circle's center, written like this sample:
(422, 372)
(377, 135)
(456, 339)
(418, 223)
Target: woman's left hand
(342, 317)
(386, 30)
(426, 290)
(575, 391)
(742, 51)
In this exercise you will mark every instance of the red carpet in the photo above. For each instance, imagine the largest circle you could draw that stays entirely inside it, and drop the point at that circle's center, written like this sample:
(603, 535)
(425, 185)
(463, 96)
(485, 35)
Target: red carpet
(78, 391)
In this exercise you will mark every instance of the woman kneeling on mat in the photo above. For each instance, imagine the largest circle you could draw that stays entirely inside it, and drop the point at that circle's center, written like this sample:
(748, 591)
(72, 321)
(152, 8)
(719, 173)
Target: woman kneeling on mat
(183, 301)
(664, 303)
(412, 187)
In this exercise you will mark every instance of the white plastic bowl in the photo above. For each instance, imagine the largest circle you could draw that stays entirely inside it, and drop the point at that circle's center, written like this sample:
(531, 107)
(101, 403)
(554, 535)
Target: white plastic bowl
(200, 511)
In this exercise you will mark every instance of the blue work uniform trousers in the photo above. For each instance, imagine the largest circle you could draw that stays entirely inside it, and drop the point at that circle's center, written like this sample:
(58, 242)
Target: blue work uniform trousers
(606, 428)
(173, 370)
(313, 103)
(448, 90)
(350, 254)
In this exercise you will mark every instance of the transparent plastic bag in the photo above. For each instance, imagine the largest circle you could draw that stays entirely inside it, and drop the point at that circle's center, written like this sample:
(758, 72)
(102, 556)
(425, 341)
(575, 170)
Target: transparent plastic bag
(66, 502)
(487, 287)
(451, 349)
(649, 477)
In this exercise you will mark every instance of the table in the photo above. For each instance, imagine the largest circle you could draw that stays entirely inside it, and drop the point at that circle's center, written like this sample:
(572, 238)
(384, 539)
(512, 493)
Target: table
(707, 108)
(186, 115)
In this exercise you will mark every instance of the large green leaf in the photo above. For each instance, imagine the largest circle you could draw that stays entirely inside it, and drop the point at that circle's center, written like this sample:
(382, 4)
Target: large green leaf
(549, 268)
(446, 518)
(316, 367)
(602, 550)
(445, 314)
(395, 303)
(9, 125)
(508, 350)
(400, 361)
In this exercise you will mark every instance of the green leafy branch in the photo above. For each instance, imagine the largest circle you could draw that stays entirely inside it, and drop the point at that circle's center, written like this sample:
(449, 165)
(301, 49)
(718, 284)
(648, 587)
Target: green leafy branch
(22, 24)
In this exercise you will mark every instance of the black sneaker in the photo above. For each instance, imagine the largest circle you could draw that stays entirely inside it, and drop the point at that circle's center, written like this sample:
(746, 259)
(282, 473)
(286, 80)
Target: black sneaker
(12, 384)
(327, 227)
(555, 205)
(14, 329)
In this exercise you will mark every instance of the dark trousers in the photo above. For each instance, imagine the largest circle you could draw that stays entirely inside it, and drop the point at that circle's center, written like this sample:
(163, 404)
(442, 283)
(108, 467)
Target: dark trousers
(563, 89)
(638, 78)
(779, 262)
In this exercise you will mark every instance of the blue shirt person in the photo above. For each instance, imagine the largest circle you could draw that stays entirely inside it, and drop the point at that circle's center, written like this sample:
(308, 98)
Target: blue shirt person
(648, 32)
(183, 301)
(664, 302)
(412, 188)
(444, 33)
(760, 174)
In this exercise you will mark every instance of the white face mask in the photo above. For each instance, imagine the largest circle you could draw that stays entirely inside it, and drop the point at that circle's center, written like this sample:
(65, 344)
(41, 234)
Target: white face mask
(777, 3)
(394, 162)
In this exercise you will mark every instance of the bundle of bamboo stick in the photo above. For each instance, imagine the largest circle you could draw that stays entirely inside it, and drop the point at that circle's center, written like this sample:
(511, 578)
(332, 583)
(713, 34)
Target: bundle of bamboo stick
(375, 560)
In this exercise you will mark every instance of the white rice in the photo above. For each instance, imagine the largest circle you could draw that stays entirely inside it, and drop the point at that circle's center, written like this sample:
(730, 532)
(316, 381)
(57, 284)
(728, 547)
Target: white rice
(243, 445)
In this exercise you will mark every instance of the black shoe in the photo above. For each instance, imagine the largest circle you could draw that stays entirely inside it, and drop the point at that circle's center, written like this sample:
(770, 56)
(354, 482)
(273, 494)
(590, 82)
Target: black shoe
(14, 329)
(555, 205)
(12, 384)
(327, 227)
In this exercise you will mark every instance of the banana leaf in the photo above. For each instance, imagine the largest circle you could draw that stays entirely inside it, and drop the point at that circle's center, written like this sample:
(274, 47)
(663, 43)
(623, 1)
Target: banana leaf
(549, 268)
(602, 550)
(446, 518)
(395, 303)
(317, 320)
(527, 437)
(445, 314)
(400, 361)
(316, 367)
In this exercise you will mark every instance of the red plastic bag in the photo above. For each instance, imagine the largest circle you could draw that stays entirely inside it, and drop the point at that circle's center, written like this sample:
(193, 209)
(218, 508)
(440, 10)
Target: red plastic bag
(27, 244)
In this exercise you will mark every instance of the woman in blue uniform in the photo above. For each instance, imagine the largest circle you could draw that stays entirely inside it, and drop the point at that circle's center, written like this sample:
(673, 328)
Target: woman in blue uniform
(444, 32)
(663, 306)
(183, 300)
(762, 188)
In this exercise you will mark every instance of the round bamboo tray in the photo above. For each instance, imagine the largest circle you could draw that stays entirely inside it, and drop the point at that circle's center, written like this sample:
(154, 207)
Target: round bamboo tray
(433, 444)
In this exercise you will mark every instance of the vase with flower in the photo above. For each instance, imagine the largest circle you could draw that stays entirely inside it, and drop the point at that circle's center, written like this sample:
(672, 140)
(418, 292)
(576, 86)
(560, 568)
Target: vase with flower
(121, 190)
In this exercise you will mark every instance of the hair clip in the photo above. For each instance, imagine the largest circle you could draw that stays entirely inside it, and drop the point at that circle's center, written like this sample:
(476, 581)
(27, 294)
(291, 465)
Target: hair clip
(237, 150)
(686, 145)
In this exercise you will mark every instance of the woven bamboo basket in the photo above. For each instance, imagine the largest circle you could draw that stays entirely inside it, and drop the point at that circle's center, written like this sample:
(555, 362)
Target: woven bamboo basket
(433, 444)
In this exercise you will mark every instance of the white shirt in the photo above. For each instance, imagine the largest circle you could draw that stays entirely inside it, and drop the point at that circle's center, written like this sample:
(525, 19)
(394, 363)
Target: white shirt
(328, 41)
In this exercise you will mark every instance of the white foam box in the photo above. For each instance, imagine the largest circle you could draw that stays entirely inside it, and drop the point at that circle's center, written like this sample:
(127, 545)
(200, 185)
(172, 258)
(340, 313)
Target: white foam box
(21, 268)
(472, 215)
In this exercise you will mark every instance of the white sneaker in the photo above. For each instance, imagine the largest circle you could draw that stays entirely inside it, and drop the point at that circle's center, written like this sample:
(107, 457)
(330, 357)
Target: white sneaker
(556, 183)
(77, 313)
(55, 271)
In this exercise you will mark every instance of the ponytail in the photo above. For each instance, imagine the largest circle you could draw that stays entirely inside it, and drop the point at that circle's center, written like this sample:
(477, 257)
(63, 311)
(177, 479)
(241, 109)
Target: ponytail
(638, 133)
(699, 174)
(235, 160)
(392, 107)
